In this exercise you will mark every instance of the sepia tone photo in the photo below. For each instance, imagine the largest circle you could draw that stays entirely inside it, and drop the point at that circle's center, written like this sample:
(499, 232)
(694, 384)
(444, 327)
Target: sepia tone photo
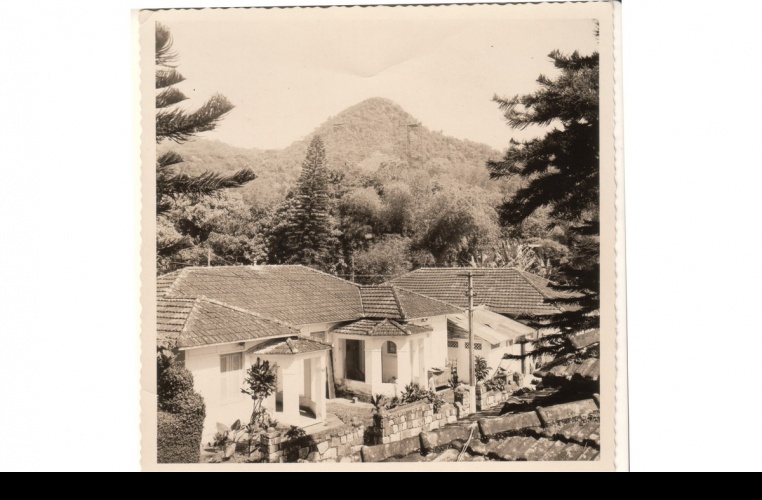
(379, 237)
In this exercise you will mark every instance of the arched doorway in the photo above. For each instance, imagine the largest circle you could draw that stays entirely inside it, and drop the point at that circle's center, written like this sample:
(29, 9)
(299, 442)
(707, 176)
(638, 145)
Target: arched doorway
(389, 362)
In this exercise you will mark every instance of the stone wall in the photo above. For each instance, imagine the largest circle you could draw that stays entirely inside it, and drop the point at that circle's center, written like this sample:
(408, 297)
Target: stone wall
(462, 398)
(408, 421)
(486, 399)
(338, 444)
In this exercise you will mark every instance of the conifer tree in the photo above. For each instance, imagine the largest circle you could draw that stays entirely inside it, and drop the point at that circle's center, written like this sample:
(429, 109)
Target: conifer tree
(178, 125)
(309, 232)
(561, 172)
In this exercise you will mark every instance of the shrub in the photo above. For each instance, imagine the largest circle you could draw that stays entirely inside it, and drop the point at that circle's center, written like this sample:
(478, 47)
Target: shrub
(181, 417)
(295, 433)
(179, 436)
(175, 380)
(481, 369)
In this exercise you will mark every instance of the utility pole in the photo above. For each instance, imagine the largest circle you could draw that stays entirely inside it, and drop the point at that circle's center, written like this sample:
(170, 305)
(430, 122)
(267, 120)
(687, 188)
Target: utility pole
(472, 365)
(209, 257)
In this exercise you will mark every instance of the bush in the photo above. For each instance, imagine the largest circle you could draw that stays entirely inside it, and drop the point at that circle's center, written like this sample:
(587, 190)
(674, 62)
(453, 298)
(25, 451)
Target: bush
(181, 417)
(174, 380)
(179, 437)
(481, 369)
(186, 403)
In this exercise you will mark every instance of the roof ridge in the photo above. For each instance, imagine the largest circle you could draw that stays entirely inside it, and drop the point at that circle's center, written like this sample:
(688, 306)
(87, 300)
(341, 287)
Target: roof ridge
(428, 297)
(246, 311)
(180, 274)
(542, 294)
(399, 303)
(400, 327)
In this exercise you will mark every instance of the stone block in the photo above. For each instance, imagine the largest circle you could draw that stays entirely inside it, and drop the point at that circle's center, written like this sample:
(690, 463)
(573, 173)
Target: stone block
(395, 429)
(372, 453)
(304, 453)
(313, 457)
(357, 449)
(428, 420)
(394, 438)
(447, 456)
(568, 411)
(508, 423)
(332, 453)
(323, 447)
(434, 426)
(335, 442)
(343, 440)
(386, 440)
(403, 426)
(452, 419)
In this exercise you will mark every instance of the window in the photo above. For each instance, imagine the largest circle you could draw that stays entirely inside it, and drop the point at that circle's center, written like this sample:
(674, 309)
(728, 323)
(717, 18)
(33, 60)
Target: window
(477, 347)
(391, 348)
(452, 344)
(231, 377)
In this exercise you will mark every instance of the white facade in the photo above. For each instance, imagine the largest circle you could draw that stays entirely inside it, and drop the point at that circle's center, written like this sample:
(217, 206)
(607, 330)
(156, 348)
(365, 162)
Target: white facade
(219, 373)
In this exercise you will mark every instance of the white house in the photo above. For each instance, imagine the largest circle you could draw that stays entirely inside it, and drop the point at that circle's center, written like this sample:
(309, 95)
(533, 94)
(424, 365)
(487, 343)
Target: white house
(504, 297)
(315, 327)
(494, 337)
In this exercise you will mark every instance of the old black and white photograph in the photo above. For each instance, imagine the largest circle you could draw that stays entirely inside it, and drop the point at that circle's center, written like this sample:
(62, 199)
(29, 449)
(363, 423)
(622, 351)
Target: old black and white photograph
(378, 235)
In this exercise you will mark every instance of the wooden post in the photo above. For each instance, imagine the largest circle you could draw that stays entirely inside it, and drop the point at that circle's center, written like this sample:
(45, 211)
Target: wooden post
(472, 363)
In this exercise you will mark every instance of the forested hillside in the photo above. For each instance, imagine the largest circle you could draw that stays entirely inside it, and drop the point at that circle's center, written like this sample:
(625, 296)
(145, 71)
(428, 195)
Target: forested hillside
(400, 196)
(357, 141)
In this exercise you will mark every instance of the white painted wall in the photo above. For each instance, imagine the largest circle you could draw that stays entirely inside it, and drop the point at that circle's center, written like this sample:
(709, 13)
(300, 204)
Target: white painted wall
(494, 357)
(204, 364)
(436, 342)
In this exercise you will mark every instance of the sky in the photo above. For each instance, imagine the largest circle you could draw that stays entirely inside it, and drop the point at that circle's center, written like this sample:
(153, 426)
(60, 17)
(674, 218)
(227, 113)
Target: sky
(286, 76)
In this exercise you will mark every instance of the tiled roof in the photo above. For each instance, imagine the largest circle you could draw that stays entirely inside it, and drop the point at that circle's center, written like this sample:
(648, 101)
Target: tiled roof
(569, 368)
(293, 345)
(504, 290)
(296, 295)
(187, 323)
(171, 316)
(396, 303)
(380, 328)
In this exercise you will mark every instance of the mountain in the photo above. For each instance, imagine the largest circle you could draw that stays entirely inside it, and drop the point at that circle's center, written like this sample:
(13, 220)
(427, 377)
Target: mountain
(358, 141)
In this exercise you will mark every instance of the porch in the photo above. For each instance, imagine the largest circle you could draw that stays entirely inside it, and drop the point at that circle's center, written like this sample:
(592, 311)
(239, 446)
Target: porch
(382, 362)
(300, 398)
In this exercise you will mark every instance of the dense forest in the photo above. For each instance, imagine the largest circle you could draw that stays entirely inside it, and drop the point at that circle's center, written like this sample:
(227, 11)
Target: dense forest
(398, 196)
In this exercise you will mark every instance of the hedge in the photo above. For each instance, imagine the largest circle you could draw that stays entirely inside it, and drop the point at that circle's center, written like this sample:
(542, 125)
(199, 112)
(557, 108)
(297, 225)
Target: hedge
(179, 438)
(173, 381)
(180, 419)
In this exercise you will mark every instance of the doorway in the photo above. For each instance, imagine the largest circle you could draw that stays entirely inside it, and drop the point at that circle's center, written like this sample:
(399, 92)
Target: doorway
(354, 363)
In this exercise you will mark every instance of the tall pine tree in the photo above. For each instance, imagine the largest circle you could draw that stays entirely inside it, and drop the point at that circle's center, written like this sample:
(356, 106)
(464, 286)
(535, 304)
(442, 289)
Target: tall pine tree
(561, 171)
(179, 125)
(309, 231)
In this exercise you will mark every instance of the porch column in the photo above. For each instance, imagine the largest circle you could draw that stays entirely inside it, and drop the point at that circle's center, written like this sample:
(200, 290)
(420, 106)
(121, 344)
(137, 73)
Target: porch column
(319, 379)
(415, 361)
(373, 364)
(291, 392)
(404, 367)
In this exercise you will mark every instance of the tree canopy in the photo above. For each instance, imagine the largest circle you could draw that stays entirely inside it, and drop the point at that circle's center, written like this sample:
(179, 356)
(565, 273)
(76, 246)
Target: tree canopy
(560, 174)
(178, 125)
(310, 227)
